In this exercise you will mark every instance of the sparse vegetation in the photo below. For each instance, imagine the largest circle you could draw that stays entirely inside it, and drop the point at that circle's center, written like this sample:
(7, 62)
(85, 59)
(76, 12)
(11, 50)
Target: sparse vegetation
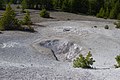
(117, 24)
(27, 19)
(44, 13)
(118, 61)
(66, 5)
(101, 13)
(24, 5)
(8, 20)
(18, 7)
(83, 62)
(2, 4)
(118, 17)
(115, 10)
(27, 23)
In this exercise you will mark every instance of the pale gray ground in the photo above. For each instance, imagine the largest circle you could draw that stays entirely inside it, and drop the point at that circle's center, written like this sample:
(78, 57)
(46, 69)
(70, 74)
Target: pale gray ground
(21, 57)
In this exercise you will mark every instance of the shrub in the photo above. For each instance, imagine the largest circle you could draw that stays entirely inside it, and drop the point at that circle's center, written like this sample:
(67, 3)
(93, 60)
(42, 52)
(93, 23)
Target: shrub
(117, 24)
(118, 61)
(101, 13)
(44, 13)
(115, 10)
(27, 19)
(1, 27)
(2, 4)
(83, 62)
(112, 14)
(24, 5)
(106, 13)
(118, 17)
(106, 27)
(66, 6)
(31, 29)
(18, 7)
(8, 20)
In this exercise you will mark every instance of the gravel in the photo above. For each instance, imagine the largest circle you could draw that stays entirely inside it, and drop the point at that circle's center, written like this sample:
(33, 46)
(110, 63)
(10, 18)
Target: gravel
(22, 58)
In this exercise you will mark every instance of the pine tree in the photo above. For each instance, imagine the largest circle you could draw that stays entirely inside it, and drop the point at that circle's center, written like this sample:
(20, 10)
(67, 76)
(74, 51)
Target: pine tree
(57, 4)
(106, 13)
(44, 13)
(8, 20)
(83, 62)
(75, 6)
(31, 3)
(27, 19)
(92, 7)
(66, 5)
(118, 17)
(112, 14)
(12, 1)
(2, 4)
(24, 5)
(101, 13)
(115, 11)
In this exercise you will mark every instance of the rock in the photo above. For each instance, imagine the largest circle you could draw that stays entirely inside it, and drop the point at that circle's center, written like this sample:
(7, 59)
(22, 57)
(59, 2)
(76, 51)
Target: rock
(0, 32)
(31, 64)
(62, 49)
(95, 26)
(22, 65)
(68, 19)
(74, 50)
(66, 29)
(106, 27)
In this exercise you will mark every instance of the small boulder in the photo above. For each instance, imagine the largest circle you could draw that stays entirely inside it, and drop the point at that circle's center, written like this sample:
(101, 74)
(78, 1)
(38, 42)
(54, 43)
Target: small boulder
(106, 27)
(0, 32)
(66, 29)
(95, 26)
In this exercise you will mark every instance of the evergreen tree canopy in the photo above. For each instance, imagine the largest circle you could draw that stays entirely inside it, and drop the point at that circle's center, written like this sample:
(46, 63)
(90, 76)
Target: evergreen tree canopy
(101, 8)
(24, 5)
(8, 20)
(2, 4)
